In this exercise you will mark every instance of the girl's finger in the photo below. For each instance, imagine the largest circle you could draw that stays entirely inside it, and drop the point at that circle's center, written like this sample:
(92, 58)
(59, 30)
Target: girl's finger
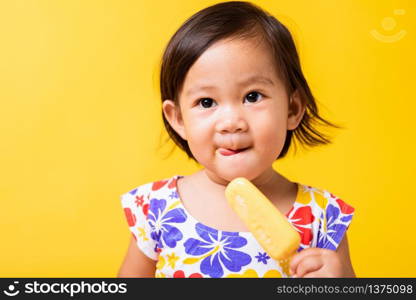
(295, 260)
(309, 264)
(315, 274)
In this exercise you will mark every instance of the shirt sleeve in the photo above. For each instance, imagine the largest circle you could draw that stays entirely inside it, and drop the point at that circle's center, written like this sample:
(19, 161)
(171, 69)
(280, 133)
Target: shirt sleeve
(135, 205)
(335, 220)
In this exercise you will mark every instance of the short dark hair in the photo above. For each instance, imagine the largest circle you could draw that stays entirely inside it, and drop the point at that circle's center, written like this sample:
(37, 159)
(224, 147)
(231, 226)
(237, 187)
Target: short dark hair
(240, 20)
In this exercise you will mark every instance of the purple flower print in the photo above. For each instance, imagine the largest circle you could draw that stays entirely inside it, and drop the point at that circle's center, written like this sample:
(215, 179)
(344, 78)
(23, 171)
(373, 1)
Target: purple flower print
(160, 222)
(262, 257)
(331, 236)
(216, 249)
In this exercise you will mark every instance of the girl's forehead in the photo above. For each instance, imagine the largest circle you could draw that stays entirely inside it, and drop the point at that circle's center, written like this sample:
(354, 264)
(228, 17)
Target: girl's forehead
(233, 49)
(232, 60)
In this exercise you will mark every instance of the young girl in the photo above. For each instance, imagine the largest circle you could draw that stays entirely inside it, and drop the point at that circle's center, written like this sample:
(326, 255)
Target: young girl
(233, 97)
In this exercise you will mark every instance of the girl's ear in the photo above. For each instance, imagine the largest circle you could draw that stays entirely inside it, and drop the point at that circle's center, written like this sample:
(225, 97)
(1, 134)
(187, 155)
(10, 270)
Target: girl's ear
(174, 117)
(296, 110)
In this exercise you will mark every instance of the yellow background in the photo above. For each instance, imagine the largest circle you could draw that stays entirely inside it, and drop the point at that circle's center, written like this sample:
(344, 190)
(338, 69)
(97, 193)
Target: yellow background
(80, 124)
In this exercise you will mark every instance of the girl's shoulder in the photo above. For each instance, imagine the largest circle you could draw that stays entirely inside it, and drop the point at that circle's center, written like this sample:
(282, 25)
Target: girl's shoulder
(154, 189)
(140, 206)
(320, 199)
(321, 217)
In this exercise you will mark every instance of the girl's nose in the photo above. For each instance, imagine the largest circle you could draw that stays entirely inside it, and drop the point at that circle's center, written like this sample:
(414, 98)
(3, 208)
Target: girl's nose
(231, 120)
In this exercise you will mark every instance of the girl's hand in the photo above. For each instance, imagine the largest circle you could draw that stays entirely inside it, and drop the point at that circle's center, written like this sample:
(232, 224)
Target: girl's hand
(317, 262)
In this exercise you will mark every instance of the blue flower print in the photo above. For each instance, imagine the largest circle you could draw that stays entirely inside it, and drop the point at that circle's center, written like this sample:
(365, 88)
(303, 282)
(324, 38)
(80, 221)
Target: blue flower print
(216, 249)
(262, 257)
(173, 195)
(133, 192)
(160, 222)
(330, 237)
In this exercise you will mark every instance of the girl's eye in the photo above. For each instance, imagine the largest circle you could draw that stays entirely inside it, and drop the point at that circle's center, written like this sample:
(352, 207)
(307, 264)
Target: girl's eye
(253, 96)
(205, 102)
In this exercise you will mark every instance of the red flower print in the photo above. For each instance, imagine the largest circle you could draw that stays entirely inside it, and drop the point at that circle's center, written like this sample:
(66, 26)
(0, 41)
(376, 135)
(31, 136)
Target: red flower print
(139, 200)
(345, 208)
(172, 183)
(131, 218)
(158, 184)
(181, 274)
(145, 209)
(302, 219)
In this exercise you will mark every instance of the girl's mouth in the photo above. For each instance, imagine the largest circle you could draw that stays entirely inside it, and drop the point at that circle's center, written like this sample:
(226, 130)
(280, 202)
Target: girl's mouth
(228, 152)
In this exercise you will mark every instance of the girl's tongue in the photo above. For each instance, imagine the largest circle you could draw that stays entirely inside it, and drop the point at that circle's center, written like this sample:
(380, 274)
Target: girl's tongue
(228, 152)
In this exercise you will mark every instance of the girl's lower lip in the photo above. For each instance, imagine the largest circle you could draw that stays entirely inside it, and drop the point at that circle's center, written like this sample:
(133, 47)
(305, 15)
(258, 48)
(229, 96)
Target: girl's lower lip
(228, 152)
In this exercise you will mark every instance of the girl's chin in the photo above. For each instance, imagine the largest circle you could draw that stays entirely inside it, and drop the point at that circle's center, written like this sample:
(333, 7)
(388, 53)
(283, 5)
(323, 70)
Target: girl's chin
(228, 175)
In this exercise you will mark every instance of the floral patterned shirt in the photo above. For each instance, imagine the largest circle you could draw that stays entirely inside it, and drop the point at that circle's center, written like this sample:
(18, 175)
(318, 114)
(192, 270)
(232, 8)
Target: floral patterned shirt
(184, 247)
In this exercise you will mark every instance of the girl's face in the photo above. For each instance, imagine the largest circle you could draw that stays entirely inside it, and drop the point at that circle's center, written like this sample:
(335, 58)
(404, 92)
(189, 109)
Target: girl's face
(232, 98)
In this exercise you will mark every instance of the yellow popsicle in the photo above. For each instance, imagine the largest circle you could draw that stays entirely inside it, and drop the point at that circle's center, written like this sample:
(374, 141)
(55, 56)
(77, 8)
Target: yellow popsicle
(268, 225)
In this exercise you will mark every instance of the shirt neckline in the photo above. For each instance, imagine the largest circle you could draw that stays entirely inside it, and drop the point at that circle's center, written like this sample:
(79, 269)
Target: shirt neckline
(243, 233)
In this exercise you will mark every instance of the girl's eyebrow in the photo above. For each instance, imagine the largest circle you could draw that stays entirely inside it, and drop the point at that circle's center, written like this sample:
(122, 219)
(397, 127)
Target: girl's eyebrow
(252, 79)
